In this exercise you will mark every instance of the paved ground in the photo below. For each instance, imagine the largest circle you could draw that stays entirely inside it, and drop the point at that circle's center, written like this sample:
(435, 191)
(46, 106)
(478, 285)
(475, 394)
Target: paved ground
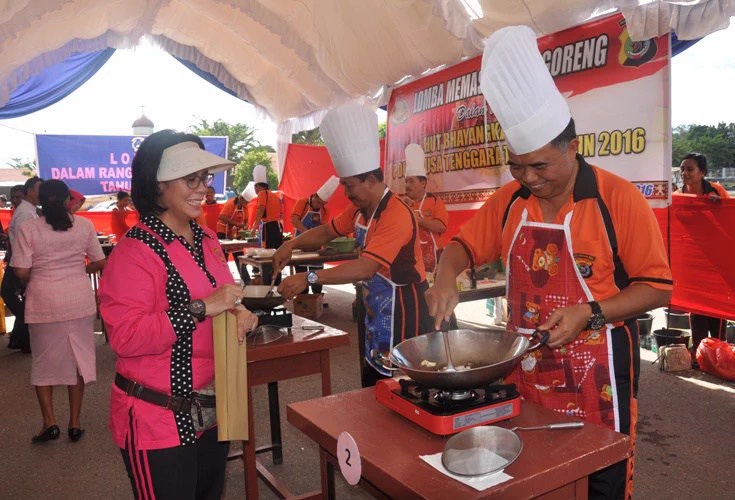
(686, 429)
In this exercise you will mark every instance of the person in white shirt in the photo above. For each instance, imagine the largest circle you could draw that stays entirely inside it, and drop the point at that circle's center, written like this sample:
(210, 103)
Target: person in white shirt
(12, 289)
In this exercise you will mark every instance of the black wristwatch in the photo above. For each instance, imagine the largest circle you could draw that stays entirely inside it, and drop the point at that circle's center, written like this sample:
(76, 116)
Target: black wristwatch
(312, 278)
(198, 309)
(597, 320)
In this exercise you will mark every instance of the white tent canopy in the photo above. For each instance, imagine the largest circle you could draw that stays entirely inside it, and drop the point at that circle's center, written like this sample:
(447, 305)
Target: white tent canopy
(293, 59)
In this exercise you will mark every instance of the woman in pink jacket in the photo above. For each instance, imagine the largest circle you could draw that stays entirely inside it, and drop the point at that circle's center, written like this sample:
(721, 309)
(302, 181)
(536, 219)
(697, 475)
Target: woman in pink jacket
(164, 282)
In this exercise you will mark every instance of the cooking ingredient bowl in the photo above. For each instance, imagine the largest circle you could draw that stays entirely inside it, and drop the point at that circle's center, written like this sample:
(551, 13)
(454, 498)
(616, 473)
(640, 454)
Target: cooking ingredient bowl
(342, 244)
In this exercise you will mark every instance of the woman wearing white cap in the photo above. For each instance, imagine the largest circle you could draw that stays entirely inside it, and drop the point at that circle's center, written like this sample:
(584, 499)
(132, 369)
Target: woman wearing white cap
(309, 213)
(431, 213)
(582, 249)
(267, 219)
(386, 234)
(163, 284)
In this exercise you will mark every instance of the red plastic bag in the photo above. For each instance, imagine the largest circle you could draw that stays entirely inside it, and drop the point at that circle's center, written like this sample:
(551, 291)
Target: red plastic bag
(717, 358)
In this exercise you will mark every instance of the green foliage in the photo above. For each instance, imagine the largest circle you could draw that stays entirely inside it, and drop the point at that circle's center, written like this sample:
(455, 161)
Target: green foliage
(312, 136)
(716, 143)
(382, 129)
(242, 137)
(243, 172)
(28, 168)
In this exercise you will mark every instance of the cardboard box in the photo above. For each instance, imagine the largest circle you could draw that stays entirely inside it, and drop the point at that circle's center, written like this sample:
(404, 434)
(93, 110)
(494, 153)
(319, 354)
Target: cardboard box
(309, 305)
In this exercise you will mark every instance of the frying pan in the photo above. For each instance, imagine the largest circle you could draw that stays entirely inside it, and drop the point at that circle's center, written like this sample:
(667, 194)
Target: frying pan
(479, 356)
(255, 298)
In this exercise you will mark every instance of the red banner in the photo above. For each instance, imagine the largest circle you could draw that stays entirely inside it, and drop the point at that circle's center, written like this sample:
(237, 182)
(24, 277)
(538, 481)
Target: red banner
(702, 238)
(617, 90)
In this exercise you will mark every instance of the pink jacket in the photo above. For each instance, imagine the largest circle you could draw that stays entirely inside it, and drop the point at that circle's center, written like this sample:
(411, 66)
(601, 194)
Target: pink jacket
(135, 310)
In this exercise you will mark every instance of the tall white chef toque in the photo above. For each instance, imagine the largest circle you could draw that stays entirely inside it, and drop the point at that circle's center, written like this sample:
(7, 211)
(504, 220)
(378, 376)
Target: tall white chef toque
(350, 132)
(249, 192)
(517, 85)
(415, 161)
(328, 188)
(260, 175)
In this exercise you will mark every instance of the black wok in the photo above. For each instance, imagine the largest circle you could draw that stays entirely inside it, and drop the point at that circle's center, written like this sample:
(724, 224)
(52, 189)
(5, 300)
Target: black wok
(255, 298)
(479, 356)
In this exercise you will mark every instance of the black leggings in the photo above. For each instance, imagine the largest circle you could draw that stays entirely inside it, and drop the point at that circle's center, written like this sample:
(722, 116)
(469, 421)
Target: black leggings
(182, 472)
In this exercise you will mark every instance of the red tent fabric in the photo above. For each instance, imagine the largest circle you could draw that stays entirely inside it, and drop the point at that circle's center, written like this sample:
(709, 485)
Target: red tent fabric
(305, 170)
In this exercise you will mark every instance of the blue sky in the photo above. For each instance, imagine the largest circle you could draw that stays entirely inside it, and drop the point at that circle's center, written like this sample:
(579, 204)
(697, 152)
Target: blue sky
(174, 97)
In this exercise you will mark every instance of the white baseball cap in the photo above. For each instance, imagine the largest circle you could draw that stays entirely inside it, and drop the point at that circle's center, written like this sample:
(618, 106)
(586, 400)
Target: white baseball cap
(350, 132)
(328, 188)
(415, 161)
(518, 86)
(186, 158)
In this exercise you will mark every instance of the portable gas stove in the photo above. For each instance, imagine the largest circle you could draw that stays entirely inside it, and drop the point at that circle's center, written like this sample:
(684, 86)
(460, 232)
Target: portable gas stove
(278, 316)
(448, 412)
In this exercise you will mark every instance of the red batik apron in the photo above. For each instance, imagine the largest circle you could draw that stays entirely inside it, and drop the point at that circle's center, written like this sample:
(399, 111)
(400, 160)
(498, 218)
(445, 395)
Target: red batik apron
(428, 242)
(576, 379)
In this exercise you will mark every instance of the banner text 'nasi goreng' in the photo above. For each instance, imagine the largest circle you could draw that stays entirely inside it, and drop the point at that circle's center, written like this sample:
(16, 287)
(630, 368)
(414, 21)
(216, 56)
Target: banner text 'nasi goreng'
(617, 89)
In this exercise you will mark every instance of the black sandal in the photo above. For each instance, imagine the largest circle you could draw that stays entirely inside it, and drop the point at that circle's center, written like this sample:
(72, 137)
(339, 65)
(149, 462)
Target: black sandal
(75, 434)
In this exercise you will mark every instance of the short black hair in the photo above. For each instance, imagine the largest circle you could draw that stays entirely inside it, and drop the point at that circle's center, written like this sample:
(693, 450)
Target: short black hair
(17, 187)
(147, 159)
(30, 183)
(566, 136)
(700, 160)
(121, 195)
(53, 195)
(377, 173)
(263, 185)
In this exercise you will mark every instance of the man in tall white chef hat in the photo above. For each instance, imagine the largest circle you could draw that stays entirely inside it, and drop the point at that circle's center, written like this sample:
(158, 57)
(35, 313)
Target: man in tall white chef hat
(267, 220)
(431, 214)
(581, 247)
(386, 235)
(309, 213)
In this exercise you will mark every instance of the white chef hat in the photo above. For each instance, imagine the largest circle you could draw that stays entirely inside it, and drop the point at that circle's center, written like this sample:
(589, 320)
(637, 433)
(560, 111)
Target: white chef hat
(350, 132)
(260, 174)
(328, 188)
(249, 192)
(415, 161)
(520, 90)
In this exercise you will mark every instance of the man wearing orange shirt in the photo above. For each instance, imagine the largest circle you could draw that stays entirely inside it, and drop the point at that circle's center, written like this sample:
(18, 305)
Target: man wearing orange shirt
(309, 213)
(583, 253)
(431, 213)
(267, 219)
(386, 234)
(210, 210)
(119, 214)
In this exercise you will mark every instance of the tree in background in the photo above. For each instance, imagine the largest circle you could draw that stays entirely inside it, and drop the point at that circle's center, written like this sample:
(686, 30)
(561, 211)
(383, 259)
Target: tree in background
(243, 172)
(716, 143)
(28, 168)
(241, 136)
(313, 136)
(242, 148)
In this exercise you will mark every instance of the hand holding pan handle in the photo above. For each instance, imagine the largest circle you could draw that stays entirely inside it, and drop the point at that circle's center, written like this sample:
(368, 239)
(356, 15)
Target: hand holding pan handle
(541, 337)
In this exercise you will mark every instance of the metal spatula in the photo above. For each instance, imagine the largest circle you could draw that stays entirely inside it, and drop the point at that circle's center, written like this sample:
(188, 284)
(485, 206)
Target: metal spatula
(273, 284)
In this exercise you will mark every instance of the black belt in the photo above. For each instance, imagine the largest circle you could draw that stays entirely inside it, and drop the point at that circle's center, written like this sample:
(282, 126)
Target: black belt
(174, 403)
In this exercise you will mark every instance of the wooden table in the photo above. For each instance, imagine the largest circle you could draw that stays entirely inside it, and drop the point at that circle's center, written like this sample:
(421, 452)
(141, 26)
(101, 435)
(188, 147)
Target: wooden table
(553, 464)
(297, 259)
(304, 352)
(238, 245)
